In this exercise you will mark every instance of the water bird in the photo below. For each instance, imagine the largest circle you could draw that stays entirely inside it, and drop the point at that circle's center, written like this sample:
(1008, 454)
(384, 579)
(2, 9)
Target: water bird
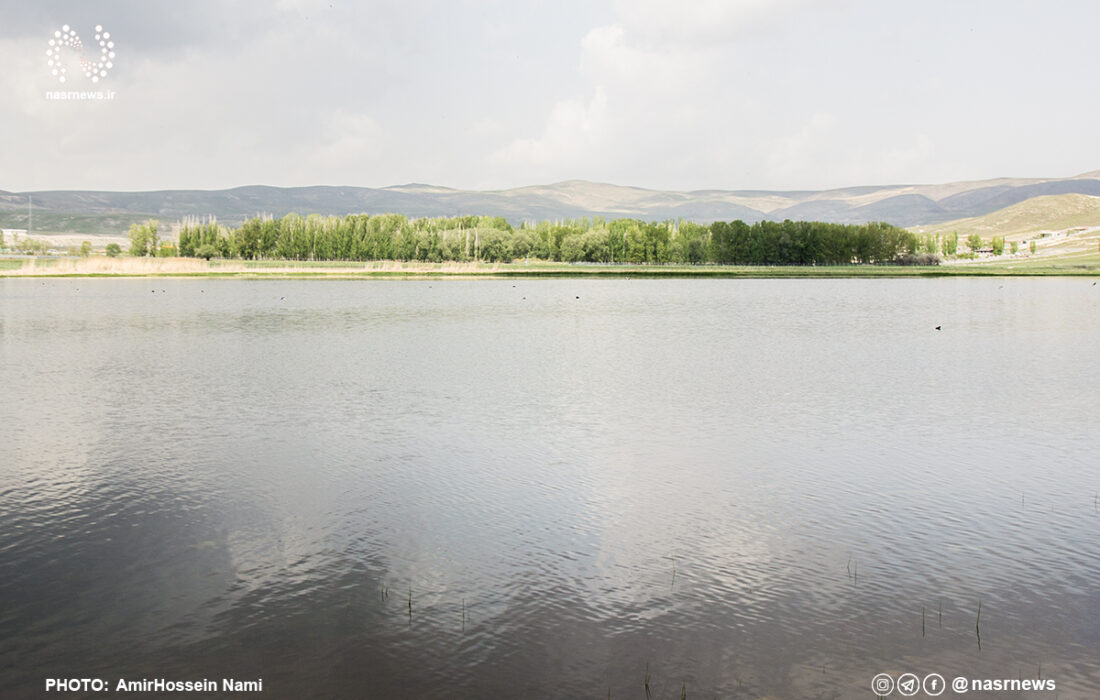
(939, 328)
(578, 297)
(282, 298)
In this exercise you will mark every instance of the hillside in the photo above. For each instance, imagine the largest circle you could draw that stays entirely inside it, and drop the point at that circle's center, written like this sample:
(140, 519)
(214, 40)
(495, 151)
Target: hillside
(110, 213)
(1065, 229)
(1048, 214)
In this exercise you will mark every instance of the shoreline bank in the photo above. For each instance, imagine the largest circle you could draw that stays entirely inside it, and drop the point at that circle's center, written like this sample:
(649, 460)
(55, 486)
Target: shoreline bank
(274, 269)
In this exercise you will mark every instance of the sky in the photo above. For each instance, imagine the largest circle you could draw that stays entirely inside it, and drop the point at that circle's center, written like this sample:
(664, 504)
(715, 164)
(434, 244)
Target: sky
(666, 94)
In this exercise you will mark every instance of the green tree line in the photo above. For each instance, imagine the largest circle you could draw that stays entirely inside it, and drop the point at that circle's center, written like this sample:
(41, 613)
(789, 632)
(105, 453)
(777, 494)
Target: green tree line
(493, 239)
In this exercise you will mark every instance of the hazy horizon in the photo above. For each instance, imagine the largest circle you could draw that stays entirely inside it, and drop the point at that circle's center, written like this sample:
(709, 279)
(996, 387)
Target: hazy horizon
(753, 95)
(398, 185)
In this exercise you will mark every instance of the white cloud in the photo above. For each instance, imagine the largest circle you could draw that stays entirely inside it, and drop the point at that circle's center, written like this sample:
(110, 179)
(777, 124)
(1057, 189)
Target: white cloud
(659, 93)
(689, 95)
(676, 21)
(249, 112)
(794, 155)
(649, 109)
(350, 140)
(573, 129)
(609, 59)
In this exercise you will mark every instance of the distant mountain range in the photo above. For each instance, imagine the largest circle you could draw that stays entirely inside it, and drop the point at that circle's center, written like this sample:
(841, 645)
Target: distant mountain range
(903, 205)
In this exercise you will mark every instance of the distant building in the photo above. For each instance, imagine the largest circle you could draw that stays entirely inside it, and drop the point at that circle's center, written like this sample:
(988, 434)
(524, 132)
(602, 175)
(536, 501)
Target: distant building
(13, 231)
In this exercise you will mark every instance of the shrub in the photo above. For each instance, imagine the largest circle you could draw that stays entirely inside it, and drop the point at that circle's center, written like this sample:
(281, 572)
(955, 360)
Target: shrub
(917, 259)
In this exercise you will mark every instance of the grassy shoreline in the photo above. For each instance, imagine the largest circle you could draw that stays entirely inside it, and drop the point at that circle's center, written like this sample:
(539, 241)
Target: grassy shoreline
(267, 269)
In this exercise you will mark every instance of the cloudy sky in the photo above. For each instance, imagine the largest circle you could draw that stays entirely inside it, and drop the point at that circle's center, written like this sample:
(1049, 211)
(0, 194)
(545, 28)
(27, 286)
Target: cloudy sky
(671, 94)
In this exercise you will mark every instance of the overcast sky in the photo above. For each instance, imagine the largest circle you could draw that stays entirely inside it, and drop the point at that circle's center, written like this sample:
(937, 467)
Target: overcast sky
(671, 94)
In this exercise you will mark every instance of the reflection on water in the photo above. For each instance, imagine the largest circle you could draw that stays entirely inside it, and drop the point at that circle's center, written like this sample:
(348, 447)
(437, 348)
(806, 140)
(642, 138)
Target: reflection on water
(496, 488)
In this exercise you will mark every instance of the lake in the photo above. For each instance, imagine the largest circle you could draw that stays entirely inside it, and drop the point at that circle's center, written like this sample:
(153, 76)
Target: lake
(551, 488)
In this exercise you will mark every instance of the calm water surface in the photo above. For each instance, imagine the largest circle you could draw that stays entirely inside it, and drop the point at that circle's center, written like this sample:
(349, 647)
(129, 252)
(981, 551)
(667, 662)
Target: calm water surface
(753, 487)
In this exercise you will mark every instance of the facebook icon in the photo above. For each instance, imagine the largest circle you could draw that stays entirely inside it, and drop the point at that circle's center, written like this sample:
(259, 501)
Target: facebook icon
(934, 684)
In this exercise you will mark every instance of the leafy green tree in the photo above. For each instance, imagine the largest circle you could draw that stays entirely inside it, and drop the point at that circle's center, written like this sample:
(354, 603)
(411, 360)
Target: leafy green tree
(187, 240)
(143, 238)
(951, 244)
(1031, 246)
(207, 251)
(497, 222)
(689, 242)
(113, 250)
(404, 244)
(395, 237)
(85, 249)
(451, 246)
(572, 248)
(526, 243)
(657, 237)
(998, 245)
(250, 238)
(974, 242)
(32, 246)
(1015, 246)
(495, 245)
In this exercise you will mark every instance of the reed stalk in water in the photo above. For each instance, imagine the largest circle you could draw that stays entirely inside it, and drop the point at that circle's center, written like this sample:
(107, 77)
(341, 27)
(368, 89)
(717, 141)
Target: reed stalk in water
(978, 624)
